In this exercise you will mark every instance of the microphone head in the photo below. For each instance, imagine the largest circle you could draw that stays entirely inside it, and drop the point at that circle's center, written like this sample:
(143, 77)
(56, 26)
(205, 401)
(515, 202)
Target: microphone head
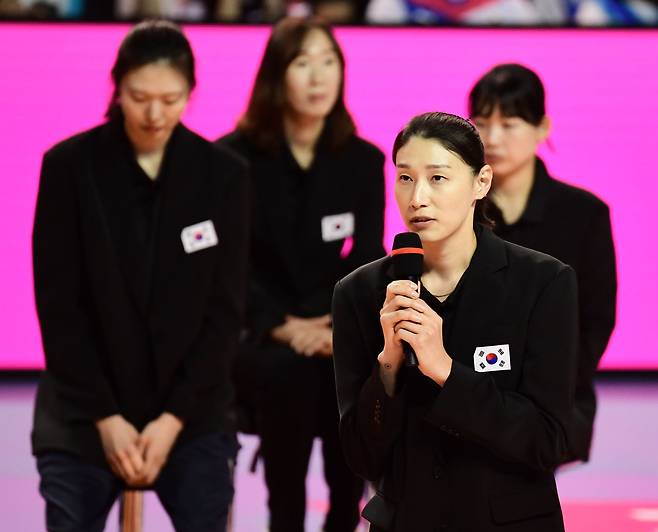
(407, 256)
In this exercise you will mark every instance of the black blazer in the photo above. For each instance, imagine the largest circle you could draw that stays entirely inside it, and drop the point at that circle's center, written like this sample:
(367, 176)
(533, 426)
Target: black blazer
(294, 265)
(108, 350)
(479, 454)
(573, 226)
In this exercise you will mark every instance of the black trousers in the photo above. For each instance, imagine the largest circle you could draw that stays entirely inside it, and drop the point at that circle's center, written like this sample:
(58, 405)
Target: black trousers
(195, 487)
(293, 401)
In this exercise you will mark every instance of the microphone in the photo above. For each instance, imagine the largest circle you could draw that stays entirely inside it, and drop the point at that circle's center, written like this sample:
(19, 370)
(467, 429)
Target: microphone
(408, 265)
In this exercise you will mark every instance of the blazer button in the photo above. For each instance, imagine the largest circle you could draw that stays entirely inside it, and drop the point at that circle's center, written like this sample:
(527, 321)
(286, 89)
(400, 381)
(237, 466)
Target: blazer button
(437, 472)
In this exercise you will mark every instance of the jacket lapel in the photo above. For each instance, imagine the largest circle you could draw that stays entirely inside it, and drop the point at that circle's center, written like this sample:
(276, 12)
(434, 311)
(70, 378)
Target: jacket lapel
(182, 204)
(482, 300)
(111, 172)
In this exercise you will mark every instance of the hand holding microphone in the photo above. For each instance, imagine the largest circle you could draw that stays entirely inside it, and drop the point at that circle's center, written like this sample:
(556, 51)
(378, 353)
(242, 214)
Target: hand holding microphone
(408, 265)
(406, 319)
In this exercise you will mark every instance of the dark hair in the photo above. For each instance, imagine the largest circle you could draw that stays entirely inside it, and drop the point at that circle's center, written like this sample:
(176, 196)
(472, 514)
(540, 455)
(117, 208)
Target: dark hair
(513, 88)
(149, 42)
(456, 135)
(263, 120)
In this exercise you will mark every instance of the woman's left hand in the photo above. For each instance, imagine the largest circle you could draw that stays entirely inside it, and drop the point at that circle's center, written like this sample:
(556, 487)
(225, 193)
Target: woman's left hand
(425, 336)
(155, 443)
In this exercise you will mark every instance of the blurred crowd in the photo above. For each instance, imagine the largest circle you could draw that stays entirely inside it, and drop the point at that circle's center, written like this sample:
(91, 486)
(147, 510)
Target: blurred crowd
(587, 13)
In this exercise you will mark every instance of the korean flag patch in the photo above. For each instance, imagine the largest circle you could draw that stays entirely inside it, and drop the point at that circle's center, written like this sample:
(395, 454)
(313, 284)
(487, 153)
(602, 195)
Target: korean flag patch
(337, 226)
(492, 358)
(198, 236)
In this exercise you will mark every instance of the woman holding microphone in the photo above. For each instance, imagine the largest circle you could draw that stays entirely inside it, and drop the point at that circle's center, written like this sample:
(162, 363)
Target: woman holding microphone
(468, 439)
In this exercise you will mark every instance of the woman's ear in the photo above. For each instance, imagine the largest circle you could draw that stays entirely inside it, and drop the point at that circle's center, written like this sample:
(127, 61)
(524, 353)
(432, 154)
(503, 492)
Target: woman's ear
(543, 129)
(483, 182)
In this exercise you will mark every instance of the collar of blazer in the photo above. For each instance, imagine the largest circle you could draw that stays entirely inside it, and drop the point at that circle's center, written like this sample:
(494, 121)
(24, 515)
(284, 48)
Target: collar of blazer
(481, 303)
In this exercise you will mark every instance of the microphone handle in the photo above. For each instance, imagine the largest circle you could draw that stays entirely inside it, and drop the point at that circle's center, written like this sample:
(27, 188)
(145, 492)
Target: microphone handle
(410, 358)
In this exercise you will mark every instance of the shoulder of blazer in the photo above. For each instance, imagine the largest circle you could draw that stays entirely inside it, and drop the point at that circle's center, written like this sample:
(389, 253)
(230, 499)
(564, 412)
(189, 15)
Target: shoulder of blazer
(73, 147)
(577, 199)
(369, 277)
(236, 143)
(200, 149)
(365, 150)
(532, 265)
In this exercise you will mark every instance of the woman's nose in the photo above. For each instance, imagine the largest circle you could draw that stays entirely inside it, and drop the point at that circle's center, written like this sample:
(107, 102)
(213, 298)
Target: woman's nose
(419, 196)
(154, 111)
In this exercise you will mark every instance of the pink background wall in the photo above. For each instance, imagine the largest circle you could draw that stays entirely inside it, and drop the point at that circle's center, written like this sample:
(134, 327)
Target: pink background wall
(602, 89)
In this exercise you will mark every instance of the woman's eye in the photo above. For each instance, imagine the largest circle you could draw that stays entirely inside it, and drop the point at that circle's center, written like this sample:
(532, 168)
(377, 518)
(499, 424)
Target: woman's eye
(436, 178)
(301, 63)
(330, 61)
(404, 177)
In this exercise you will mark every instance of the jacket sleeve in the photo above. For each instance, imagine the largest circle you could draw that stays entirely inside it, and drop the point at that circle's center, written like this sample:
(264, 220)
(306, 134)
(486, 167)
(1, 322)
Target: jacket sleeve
(263, 311)
(369, 220)
(527, 425)
(217, 342)
(65, 317)
(370, 420)
(597, 290)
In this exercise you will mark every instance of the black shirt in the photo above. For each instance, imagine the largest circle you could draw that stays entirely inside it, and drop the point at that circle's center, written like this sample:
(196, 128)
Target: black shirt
(134, 220)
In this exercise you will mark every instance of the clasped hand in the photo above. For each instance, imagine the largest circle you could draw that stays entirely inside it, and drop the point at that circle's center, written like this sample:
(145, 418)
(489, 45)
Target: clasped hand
(138, 457)
(406, 317)
(306, 336)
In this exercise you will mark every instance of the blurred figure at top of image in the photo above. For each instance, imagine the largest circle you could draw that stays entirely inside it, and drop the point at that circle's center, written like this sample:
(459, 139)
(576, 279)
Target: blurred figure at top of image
(318, 213)
(534, 210)
(514, 12)
(140, 248)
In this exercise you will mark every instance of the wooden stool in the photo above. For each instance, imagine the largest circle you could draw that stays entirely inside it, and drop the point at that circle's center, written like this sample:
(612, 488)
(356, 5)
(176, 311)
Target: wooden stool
(131, 508)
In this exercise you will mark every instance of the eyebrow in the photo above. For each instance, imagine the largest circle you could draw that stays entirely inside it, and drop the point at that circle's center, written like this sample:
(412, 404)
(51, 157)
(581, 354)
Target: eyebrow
(164, 94)
(429, 166)
(324, 51)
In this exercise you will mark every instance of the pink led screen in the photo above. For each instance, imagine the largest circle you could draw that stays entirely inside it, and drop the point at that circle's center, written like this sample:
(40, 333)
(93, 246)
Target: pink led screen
(602, 89)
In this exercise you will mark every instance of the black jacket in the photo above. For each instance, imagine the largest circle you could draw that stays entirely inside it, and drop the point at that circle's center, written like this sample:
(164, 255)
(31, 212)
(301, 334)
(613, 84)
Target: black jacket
(110, 347)
(573, 226)
(295, 261)
(478, 454)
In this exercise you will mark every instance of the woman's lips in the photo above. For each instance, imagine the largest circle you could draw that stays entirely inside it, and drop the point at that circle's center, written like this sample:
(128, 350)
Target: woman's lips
(420, 222)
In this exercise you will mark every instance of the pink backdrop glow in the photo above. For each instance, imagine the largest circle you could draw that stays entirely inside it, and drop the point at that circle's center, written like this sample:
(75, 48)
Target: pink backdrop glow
(602, 89)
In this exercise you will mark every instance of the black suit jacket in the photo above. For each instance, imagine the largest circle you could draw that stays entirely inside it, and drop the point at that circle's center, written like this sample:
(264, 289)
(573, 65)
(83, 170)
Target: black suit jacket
(573, 226)
(479, 454)
(111, 347)
(293, 267)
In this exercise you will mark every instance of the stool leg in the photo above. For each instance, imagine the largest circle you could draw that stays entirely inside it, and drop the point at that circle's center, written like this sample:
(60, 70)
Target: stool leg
(131, 507)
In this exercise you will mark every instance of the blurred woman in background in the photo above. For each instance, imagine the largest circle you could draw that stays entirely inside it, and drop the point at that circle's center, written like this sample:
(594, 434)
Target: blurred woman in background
(534, 210)
(139, 301)
(318, 213)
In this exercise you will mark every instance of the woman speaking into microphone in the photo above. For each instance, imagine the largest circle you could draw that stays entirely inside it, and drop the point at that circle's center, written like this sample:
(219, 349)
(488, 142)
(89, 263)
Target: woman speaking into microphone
(468, 439)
